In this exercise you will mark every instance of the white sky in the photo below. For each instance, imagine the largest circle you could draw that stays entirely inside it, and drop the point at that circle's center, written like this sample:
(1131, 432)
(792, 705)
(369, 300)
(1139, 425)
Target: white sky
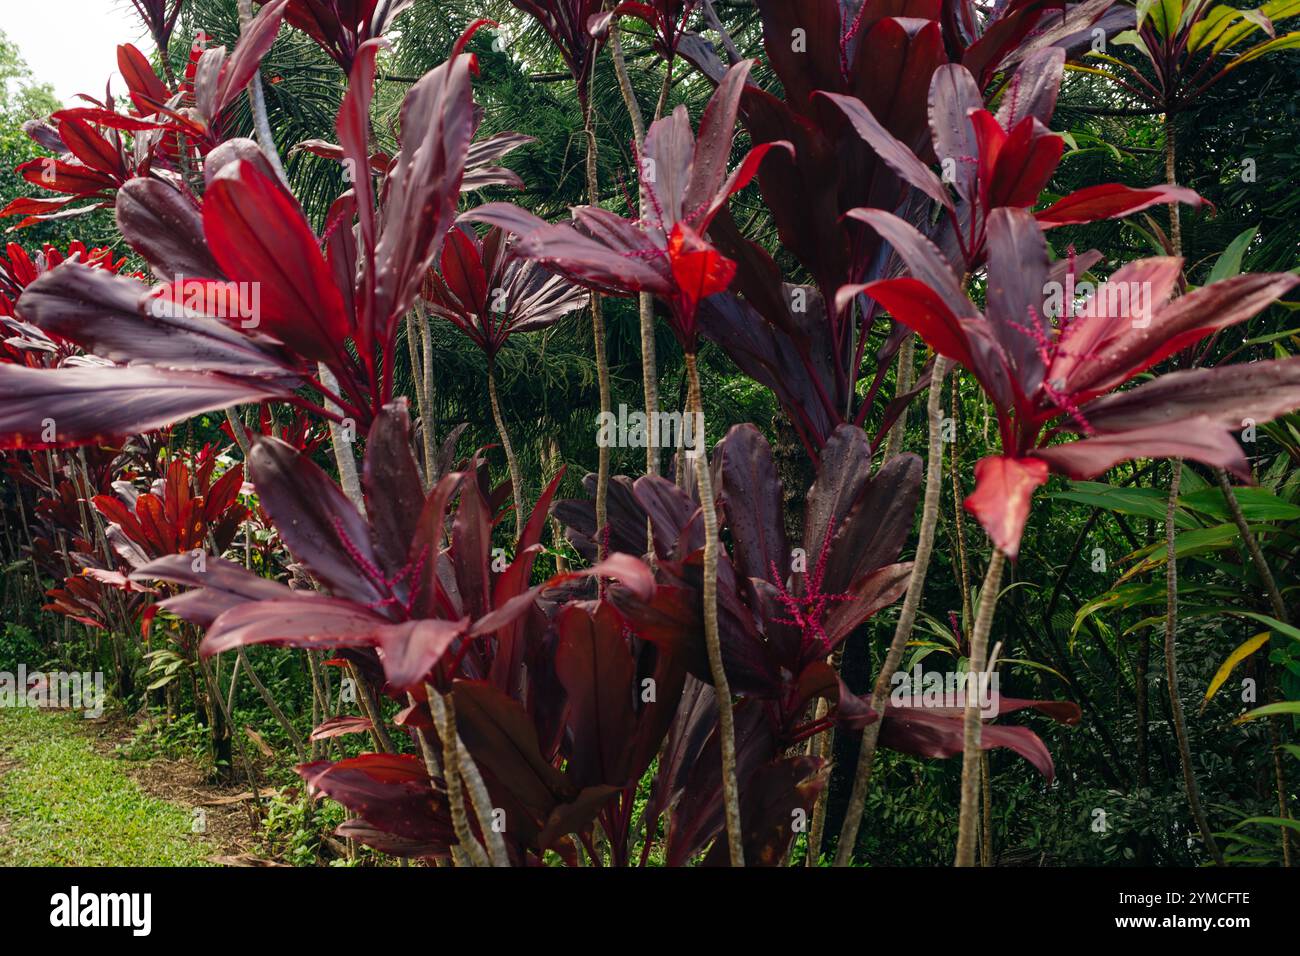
(72, 44)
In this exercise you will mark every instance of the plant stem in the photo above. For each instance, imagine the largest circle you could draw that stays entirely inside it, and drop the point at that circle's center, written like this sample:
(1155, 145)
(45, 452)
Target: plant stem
(257, 101)
(428, 401)
(906, 352)
(370, 704)
(516, 476)
(959, 520)
(721, 687)
(906, 618)
(602, 359)
(554, 464)
(239, 431)
(415, 346)
(1175, 217)
(819, 746)
(1171, 667)
(968, 824)
(451, 775)
(294, 737)
(478, 795)
(645, 302)
(986, 830)
(1279, 612)
(1252, 547)
(343, 457)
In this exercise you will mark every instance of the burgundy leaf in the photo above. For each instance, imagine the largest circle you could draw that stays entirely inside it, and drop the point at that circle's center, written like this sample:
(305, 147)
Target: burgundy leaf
(88, 405)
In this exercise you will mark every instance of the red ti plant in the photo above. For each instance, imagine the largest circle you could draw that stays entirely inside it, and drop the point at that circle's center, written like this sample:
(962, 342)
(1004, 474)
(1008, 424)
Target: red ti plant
(340, 27)
(415, 604)
(160, 17)
(667, 18)
(182, 513)
(782, 615)
(686, 185)
(988, 40)
(18, 270)
(300, 430)
(792, 338)
(90, 164)
(89, 586)
(95, 161)
(1050, 365)
(490, 294)
(242, 273)
(789, 338)
(995, 161)
(566, 23)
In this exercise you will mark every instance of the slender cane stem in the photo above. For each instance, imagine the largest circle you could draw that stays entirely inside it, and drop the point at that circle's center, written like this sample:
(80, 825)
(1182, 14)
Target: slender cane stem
(516, 475)
(598, 338)
(894, 443)
(645, 302)
(1175, 217)
(451, 775)
(968, 820)
(343, 456)
(721, 687)
(906, 619)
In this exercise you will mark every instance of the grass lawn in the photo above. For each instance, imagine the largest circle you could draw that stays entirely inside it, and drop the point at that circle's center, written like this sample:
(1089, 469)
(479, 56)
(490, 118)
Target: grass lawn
(61, 803)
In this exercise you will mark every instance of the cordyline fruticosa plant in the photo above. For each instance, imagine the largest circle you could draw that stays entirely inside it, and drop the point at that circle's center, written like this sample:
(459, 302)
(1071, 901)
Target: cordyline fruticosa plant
(686, 184)
(490, 294)
(793, 337)
(412, 600)
(169, 125)
(1002, 160)
(194, 344)
(340, 27)
(1051, 367)
(782, 615)
(531, 709)
(666, 19)
(1034, 372)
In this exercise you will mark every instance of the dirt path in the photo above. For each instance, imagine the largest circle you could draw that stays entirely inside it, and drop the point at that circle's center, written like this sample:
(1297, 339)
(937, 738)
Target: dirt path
(67, 798)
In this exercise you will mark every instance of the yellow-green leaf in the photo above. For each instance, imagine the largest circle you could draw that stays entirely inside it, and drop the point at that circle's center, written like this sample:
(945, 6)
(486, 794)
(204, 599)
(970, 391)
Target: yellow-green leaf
(1165, 16)
(1270, 710)
(1236, 657)
(1290, 41)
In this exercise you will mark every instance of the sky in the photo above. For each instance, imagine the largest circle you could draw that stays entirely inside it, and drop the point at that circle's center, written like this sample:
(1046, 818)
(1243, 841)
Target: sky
(72, 44)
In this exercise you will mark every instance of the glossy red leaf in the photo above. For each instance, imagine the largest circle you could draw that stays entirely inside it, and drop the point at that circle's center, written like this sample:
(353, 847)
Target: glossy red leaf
(1000, 502)
(1111, 201)
(258, 234)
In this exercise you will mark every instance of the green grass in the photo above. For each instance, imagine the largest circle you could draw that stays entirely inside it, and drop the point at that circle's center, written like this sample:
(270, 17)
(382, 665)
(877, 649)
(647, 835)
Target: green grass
(63, 804)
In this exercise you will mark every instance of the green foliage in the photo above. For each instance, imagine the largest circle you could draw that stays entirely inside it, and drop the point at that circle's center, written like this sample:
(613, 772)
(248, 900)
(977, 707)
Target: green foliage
(18, 645)
(295, 826)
